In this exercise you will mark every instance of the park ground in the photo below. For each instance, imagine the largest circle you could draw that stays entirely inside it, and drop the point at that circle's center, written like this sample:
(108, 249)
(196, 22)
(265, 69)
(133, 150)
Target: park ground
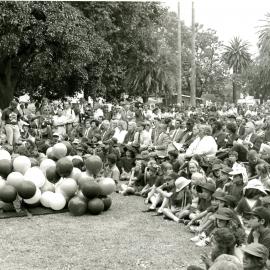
(122, 238)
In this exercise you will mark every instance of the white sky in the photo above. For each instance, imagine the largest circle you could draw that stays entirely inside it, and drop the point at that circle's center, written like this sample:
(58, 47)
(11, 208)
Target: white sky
(228, 17)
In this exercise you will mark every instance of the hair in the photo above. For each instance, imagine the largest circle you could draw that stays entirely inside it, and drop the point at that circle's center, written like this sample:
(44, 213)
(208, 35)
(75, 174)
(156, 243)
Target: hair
(112, 158)
(232, 127)
(252, 192)
(258, 263)
(263, 168)
(218, 125)
(225, 240)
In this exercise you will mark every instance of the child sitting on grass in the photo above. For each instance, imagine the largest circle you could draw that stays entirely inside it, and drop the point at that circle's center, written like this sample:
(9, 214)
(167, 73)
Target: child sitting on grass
(176, 197)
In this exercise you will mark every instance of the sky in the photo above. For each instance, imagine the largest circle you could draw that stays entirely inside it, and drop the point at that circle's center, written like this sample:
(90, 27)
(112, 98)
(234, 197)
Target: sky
(228, 17)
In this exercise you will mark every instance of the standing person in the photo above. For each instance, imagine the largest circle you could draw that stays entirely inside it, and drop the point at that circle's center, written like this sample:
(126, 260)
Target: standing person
(10, 118)
(59, 123)
(70, 116)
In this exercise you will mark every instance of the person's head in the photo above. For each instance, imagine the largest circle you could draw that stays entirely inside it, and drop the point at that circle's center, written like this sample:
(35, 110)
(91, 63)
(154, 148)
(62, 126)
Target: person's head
(197, 177)
(230, 201)
(94, 123)
(122, 125)
(218, 126)
(87, 123)
(233, 156)
(173, 154)
(196, 130)
(105, 124)
(223, 242)
(189, 125)
(60, 112)
(177, 123)
(262, 169)
(208, 189)
(193, 166)
(13, 104)
(166, 167)
(111, 158)
(223, 217)
(132, 126)
(66, 105)
(255, 256)
(216, 169)
(140, 127)
(253, 157)
(259, 217)
(162, 127)
(249, 128)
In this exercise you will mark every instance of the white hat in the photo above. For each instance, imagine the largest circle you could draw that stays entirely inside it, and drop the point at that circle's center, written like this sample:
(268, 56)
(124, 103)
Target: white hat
(255, 184)
(181, 183)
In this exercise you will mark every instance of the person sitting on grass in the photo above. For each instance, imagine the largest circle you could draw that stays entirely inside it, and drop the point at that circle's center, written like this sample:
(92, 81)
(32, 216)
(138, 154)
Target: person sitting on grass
(150, 176)
(165, 174)
(136, 181)
(255, 257)
(207, 216)
(223, 242)
(111, 169)
(175, 199)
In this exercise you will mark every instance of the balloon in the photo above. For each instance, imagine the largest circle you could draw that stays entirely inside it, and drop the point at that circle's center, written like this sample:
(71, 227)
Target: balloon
(36, 176)
(95, 206)
(2, 182)
(8, 193)
(77, 206)
(68, 146)
(77, 157)
(4, 154)
(5, 167)
(27, 189)
(67, 187)
(91, 190)
(58, 201)
(84, 178)
(35, 198)
(81, 196)
(75, 174)
(69, 157)
(64, 167)
(107, 203)
(46, 164)
(50, 154)
(52, 175)
(15, 179)
(107, 186)
(21, 164)
(77, 163)
(46, 198)
(59, 150)
(48, 186)
(93, 165)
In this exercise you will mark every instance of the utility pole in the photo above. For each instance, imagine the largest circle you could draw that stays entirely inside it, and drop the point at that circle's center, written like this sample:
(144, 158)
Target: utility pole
(179, 81)
(193, 63)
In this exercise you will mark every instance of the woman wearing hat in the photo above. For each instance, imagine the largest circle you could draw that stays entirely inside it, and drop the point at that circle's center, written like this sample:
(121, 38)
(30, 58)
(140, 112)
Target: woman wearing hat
(176, 200)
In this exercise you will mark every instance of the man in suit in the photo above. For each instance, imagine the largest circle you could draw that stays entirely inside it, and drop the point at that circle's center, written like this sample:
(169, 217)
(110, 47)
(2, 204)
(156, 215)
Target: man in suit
(106, 132)
(177, 132)
(162, 142)
(250, 139)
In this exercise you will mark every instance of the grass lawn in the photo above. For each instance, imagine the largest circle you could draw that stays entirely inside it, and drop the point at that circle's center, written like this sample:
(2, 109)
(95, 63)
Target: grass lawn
(121, 238)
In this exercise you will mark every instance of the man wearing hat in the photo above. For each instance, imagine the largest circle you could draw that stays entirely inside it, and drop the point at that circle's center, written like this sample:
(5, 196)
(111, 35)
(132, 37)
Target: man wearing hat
(255, 257)
(259, 221)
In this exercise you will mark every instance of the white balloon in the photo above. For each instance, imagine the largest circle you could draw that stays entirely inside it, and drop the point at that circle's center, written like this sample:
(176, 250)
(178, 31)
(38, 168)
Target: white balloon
(58, 201)
(75, 174)
(46, 197)
(15, 179)
(4, 154)
(69, 157)
(2, 182)
(35, 198)
(46, 164)
(36, 176)
(59, 150)
(49, 150)
(21, 164)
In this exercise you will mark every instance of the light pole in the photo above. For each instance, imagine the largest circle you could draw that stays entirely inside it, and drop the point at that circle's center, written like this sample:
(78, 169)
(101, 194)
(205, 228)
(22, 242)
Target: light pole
(179, 81)
(193, 63)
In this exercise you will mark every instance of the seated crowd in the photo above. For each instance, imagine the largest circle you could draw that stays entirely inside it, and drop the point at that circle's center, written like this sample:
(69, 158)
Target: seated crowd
(205, 167)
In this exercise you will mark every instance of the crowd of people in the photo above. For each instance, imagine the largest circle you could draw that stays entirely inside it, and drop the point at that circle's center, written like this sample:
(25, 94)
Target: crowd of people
(206, 167)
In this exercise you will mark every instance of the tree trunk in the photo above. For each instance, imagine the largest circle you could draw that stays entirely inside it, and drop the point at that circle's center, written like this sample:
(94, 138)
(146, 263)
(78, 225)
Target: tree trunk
(7, 83)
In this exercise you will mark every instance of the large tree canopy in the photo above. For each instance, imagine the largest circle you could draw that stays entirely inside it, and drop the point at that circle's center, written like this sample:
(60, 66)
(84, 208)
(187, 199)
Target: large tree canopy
(55, 49)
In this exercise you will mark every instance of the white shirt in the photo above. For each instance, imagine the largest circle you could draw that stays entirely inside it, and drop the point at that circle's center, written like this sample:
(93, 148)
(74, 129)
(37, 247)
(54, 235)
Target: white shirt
(120, 135)
(205, 146)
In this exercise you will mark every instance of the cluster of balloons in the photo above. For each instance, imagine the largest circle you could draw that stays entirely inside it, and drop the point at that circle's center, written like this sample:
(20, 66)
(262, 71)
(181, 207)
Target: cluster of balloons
(54, 182)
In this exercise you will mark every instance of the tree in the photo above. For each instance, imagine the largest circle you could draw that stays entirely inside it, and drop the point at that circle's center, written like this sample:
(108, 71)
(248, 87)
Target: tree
(237, 57)
(45, 49)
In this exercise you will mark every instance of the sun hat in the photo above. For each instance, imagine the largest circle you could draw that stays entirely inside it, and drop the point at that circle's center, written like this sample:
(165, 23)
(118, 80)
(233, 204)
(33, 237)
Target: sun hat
(208, 186)
(230, 200)
(257, 250)
(181, 183)
(262, 213)
(224, 214)
(255, 184)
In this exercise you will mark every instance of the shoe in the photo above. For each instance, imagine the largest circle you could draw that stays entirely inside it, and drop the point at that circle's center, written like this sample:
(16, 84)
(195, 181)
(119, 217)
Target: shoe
(198, 237)
(203, 242)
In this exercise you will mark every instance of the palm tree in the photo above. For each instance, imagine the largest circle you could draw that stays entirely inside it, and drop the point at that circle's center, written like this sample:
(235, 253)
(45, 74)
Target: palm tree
(237, 57)
(264, 37)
